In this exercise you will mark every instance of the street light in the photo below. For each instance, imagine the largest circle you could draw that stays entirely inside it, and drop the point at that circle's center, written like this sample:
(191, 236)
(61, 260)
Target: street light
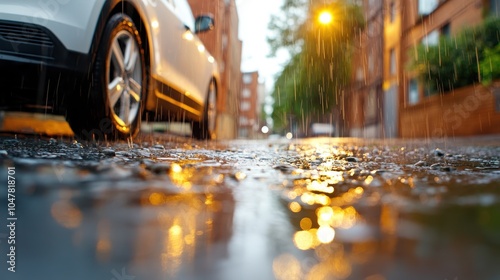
(265, 129)
(325, 17)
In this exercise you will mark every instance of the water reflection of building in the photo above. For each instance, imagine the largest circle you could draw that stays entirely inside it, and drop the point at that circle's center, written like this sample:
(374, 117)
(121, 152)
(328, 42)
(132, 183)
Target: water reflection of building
(384, 98)
(223, 43)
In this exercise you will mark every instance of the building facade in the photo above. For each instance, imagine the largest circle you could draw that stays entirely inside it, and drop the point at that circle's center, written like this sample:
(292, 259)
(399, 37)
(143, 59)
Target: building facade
(386, 99)
(426, 115)
(225, 46)
(248, 124)
(364, 114)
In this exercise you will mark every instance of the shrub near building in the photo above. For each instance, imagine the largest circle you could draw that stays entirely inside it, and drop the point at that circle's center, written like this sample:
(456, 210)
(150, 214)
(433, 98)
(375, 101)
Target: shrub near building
(470, 57)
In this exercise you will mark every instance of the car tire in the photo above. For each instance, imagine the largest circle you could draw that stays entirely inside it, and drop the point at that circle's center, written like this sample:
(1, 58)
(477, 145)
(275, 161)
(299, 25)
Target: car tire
(206, 128)
(111, 105)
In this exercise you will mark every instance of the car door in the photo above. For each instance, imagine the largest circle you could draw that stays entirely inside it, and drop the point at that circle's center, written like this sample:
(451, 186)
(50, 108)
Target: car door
(182, 58)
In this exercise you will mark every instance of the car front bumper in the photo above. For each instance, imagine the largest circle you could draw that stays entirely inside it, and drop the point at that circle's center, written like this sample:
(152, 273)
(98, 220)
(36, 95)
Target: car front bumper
(36, 70)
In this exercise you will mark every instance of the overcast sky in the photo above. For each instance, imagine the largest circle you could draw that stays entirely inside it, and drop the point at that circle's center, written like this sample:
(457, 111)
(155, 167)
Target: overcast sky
(254, 18)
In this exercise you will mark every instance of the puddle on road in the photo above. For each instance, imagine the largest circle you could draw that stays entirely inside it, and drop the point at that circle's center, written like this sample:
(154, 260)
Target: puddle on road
(256, 210)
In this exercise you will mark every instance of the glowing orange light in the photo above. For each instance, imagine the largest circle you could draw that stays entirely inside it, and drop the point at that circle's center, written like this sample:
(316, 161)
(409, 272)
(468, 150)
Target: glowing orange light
(305, 223)
(325, 234)
(295, 207)
(155, 198)
(303, 240)
(176, 168)
(325, 17)
(66, 214)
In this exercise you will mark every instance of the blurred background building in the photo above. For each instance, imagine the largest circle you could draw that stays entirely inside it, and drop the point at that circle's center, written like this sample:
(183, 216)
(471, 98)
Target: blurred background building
(251, 102)
(364, 115)
(385, 99)
(225, 46)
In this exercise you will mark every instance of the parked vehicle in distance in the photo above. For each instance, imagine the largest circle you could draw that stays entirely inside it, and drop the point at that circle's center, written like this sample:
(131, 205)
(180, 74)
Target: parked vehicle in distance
(322, 129)
(106, 64)
(275, 136)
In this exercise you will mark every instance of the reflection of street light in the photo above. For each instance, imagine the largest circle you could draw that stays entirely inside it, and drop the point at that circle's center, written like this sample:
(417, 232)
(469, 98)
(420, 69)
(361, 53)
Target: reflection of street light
(325, 17)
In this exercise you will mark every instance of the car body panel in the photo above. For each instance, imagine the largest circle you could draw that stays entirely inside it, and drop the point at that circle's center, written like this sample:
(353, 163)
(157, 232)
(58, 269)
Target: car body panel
(73, 22)
(185, 65)
(181, 69)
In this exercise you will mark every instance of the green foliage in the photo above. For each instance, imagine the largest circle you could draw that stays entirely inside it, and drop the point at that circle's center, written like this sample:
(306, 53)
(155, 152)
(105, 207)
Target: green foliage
(284, 89)
(490, 65)
(458, 61)
(286, 26)
(320, 66)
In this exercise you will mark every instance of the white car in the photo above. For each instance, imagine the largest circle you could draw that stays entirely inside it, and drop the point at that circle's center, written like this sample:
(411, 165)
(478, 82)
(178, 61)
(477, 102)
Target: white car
(106, 64)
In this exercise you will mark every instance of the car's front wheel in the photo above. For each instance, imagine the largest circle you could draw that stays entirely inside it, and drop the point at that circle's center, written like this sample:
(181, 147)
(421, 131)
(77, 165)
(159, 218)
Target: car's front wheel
(112, 107)
(206, 128)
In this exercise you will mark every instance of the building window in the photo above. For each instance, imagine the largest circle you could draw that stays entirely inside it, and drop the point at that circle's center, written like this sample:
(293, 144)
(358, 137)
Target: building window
(246, 93)
(495, 7)
(426, 7)
(243, 132)
(431, 39)
(392, 62)
(245, 106)
(371, 106)
(413, 96)
(247, 78)
(243, 120)
(446, 30)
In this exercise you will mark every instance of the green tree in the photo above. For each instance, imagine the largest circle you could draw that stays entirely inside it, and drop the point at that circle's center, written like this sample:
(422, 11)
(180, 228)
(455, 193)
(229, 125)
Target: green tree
(320, 64)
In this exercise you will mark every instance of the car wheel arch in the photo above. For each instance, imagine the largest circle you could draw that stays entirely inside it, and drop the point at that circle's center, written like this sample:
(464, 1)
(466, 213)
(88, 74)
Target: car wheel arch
(111, 8)
(108, 13)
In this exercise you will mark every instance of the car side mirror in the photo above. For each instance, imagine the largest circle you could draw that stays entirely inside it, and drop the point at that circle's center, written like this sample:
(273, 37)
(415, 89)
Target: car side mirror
(204, 23)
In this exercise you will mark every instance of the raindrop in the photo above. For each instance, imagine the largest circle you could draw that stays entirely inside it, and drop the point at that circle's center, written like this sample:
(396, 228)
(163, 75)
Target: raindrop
(77, 145)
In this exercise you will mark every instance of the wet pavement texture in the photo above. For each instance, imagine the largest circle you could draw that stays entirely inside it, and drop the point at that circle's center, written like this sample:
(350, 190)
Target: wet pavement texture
(323, 208)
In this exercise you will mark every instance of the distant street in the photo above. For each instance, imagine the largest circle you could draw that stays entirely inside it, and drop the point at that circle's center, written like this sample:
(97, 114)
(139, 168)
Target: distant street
(168, 207)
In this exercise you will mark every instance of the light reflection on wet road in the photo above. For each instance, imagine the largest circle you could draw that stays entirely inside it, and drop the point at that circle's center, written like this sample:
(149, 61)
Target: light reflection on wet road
(306, 209)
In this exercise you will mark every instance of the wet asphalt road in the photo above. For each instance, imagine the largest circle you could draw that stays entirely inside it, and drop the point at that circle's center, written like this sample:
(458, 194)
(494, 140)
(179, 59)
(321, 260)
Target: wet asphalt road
(166, 207)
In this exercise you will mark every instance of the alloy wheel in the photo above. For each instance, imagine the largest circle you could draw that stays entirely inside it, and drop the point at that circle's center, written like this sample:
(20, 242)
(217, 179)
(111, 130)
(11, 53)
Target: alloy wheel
(124, 79)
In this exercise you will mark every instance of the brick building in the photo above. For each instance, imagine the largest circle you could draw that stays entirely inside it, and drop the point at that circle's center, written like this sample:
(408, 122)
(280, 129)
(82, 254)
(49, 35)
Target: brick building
(225, 46)
(385, 99)
(248, 123)
(364, 113)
